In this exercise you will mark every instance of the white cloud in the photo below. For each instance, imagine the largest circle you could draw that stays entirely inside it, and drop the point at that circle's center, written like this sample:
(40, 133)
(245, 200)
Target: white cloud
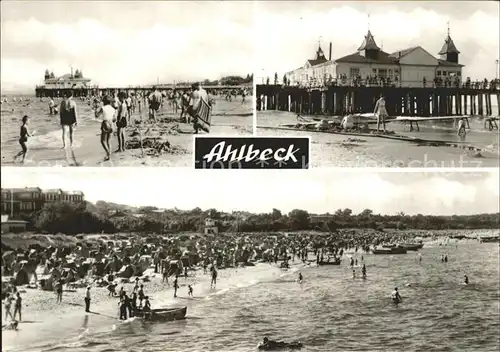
(286, 39)
(316, 190)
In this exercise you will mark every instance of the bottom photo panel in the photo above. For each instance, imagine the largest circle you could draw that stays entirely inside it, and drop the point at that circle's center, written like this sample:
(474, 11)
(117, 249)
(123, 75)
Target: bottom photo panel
(183, 260)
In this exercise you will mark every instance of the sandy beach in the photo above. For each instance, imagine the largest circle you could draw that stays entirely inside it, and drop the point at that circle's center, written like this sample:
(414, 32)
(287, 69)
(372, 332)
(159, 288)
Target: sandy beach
(336, 150)
(175, 139)
(41, 312)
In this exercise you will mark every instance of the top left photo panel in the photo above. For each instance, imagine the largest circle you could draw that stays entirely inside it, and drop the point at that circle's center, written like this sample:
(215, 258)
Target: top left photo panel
(95, 83)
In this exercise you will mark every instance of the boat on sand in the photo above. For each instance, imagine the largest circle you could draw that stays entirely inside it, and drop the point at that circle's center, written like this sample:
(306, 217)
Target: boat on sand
(392, 250)
(163, 314)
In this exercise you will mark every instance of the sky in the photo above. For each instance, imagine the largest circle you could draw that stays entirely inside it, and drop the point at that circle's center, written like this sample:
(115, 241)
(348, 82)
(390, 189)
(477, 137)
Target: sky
(315, 190)
(124, 43)
(288, 31)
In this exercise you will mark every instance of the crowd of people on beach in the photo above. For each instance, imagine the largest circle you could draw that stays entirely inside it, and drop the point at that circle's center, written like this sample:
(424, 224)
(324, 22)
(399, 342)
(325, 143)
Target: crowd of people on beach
(118, 110)
(105, 263)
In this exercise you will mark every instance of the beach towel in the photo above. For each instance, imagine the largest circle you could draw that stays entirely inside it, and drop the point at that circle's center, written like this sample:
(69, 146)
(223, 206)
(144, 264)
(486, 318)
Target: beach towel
(203, 116)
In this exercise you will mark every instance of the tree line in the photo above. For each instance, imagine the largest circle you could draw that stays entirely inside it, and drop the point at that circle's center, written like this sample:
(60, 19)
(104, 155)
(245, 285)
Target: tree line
(72, 219)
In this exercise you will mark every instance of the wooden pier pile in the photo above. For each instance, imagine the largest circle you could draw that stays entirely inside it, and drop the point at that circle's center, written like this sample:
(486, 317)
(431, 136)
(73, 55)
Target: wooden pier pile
(400, 101)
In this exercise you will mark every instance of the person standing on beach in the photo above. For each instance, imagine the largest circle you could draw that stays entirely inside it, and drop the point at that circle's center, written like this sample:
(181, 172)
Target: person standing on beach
(461, 132)
(69, 117)
(18, 306)
(8, 304)
(51, 106)
(108, 118)
(176, 285)
(23, 139)
(87, 300)
(381, 112)
(59, 291)
(213, 283)
(198, 94)
(121, 121)
(155, 100)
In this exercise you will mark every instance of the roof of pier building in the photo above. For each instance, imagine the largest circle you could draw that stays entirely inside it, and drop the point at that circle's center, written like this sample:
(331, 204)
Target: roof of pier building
(67, 77)
(320, 57)
(378, 56)
(448, 47)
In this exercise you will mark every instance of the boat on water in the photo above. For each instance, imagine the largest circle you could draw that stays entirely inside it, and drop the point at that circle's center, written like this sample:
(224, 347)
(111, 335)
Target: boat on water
(332, 262)
(393, 250)
(163, 314)
(412, 246)
(280, 345)
(388, 245)
(489, 239)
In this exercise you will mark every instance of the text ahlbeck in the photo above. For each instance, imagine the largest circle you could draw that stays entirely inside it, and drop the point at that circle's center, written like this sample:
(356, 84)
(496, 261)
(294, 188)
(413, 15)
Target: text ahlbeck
(221, 152)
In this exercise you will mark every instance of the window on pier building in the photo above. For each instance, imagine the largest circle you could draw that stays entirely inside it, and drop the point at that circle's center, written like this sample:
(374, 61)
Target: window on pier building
(354, 72)
(374, 71)
(382, 72)
(390, 73)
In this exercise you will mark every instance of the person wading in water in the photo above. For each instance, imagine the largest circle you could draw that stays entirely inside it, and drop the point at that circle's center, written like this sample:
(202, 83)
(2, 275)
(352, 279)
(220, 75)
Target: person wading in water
(68, 117)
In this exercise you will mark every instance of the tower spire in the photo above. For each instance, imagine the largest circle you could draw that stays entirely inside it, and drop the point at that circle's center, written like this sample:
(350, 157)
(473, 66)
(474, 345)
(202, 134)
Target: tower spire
(448, 23)
(368, 22)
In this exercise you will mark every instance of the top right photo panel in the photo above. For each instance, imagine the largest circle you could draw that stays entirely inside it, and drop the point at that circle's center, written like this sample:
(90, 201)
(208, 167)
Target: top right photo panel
(381, 84)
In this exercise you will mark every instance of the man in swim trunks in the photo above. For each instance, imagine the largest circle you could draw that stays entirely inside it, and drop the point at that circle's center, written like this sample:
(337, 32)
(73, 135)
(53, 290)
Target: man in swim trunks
(155, 100)
(68, 117)
(108, 118)
(381, 112)
(213, 283)
(395, 296)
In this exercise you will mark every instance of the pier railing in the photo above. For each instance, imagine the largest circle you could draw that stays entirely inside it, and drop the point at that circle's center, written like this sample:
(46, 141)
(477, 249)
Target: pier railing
(493, 85)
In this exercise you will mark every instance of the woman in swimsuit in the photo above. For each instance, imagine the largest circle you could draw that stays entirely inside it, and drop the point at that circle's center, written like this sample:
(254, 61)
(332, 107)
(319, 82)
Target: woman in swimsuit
(68, 117)
(380, 112)
(108, 118)
(23, 138)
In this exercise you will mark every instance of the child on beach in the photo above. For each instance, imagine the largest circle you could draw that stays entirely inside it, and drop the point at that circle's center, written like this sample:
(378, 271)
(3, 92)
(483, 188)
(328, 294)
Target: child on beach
(190, 290)
(108, 118)
(23, 138)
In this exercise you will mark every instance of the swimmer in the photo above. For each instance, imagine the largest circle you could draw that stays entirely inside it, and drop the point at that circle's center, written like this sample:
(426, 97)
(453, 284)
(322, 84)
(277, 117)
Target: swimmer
(190, 290)
(23, 139)
(363, 271)
(395, 296)
(301, 278)
(466, 279)
(353, 273)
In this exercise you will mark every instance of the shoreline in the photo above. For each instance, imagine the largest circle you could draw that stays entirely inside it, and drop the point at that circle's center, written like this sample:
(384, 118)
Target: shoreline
(41, 312)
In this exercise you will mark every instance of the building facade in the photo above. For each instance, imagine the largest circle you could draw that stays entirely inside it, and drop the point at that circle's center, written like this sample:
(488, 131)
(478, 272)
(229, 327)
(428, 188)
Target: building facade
(16, 201)
(67, 81)
(412, 67)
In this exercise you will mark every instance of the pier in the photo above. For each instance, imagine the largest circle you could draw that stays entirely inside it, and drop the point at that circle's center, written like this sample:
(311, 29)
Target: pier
(400, 101)
(42, 91)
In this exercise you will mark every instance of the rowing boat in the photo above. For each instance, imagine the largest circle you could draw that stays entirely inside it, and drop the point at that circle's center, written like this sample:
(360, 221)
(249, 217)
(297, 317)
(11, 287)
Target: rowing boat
(393, 250)
(163, 314)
